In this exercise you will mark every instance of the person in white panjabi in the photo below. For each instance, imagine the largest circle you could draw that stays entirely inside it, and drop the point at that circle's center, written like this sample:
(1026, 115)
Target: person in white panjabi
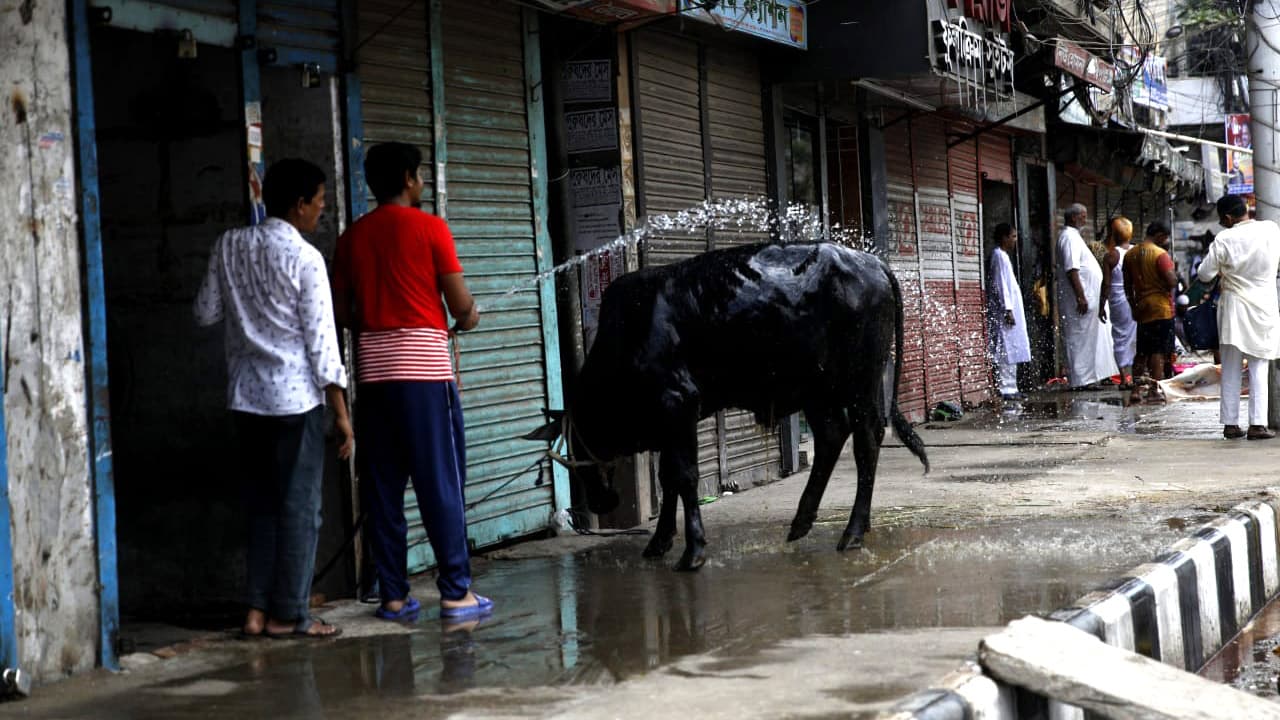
(1124, 330)
(1006, 318)
(1245, 257)
(1080, 310)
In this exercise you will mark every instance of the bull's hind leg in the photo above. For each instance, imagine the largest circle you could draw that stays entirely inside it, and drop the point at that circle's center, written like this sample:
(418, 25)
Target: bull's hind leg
(830, 431)
(678, 471)
(868, 432)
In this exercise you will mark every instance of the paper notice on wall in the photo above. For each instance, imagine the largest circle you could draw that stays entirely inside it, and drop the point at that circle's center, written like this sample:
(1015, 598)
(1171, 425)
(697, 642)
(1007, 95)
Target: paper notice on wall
(595, 225)
(592, 130)
(597, 273)
(596, 186)
(588, 81)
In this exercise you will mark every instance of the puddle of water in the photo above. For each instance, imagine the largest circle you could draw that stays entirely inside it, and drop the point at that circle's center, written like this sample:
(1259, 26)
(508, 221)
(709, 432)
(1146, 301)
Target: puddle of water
(607, 616)
(1250, 662)
(1105, 411)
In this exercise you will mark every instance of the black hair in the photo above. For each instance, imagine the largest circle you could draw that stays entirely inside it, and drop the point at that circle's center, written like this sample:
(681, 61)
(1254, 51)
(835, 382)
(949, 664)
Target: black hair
(385, 165)
(1002, 231)
(1232, 206)
(1157, 228)
(288, 181)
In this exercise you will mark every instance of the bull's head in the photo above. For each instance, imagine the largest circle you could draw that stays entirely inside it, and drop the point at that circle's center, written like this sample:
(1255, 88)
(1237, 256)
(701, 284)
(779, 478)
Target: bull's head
(595, 476)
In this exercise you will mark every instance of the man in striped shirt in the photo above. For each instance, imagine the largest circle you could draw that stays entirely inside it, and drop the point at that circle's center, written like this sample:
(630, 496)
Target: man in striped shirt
(394, 272)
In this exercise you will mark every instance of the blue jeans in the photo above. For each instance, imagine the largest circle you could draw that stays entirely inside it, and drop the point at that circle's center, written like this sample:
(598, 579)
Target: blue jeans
(414, 430)
(284, 469)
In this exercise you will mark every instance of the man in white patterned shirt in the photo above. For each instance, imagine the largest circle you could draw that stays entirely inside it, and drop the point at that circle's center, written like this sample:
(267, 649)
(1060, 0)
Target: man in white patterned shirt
(270, 287)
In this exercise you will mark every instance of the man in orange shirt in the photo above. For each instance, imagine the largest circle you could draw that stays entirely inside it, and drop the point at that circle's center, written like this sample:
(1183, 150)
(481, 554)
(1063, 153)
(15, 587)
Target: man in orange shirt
(395, 270)
(1149, 280)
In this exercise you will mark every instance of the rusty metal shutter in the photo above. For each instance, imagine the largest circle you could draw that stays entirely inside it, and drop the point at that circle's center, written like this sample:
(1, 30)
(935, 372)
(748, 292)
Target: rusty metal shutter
(395, 81)
(491, 214)
(969, 298)
(904, 257)
(735, 117)
(937, 251)
(995, 157)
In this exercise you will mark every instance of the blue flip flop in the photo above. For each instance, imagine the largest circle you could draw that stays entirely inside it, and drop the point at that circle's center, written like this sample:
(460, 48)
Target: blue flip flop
(483, 606)
(406, 612)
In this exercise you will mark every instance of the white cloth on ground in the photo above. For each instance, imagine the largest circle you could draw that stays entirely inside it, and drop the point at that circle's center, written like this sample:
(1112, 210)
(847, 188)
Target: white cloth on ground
(1009, 343)
(1229, 408)
(1124, 329)
(1246, 257)
(1087, 340)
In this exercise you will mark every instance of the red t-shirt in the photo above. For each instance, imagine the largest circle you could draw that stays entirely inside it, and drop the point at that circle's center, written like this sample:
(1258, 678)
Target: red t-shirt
(390, 261)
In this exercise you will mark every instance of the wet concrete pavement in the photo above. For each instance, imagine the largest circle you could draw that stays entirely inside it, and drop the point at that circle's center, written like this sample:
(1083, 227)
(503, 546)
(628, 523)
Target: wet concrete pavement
(1023, 513)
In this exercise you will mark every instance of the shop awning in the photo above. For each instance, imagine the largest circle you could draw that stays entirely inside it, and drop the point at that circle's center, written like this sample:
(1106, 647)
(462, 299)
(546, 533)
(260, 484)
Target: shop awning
(1104, 153)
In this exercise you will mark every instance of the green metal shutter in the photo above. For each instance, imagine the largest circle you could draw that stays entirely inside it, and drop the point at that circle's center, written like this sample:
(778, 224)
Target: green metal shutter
(492, 216)
(300, 30)
(735, 114)
(673, 179)
(395, 81)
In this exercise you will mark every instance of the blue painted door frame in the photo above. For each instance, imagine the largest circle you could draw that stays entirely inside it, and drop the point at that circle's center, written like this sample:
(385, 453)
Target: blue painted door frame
(8, 629)
(95, 314)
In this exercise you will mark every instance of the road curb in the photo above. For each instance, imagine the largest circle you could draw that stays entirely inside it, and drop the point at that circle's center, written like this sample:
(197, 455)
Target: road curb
(1179, 609)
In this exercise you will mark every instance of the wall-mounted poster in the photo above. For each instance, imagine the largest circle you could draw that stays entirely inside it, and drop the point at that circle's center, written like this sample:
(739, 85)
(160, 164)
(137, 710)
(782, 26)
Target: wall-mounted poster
(1239, 165)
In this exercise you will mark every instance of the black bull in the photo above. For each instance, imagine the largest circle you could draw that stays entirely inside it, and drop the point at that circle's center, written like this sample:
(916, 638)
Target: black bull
(772, 329)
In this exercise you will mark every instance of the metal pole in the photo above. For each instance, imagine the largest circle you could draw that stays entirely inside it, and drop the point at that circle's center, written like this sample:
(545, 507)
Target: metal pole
(1263, 42)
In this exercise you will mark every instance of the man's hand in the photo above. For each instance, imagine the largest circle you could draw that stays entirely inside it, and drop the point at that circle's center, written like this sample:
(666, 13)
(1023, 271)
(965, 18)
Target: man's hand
(1102, 312)
(1008, 318)
(1082, 305)
(346, 437)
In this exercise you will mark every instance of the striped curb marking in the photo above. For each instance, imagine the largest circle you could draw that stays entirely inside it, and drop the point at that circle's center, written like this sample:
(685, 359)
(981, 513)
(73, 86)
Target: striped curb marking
(1179, 609)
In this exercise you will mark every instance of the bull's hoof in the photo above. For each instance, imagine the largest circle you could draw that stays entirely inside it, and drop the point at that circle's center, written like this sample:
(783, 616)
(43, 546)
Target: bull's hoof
(657, 547)
(692, 560)
(799, 529)
(849, 541)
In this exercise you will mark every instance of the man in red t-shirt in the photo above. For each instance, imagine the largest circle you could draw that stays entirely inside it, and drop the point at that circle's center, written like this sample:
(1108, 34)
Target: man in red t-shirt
(395, 270)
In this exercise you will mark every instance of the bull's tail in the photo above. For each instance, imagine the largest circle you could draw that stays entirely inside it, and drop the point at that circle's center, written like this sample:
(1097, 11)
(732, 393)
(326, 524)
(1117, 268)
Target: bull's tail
(903, 428)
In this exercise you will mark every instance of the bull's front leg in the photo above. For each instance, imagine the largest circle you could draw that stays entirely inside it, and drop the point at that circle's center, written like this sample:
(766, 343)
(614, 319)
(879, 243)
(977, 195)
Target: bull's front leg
(678, 472)
(665, 533)
(868, 432)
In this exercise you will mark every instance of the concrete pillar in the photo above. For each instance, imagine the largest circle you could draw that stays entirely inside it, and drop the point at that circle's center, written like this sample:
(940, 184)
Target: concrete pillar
(1262, 40)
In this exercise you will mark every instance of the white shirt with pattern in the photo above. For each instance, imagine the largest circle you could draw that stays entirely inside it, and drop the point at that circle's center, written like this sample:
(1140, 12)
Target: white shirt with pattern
(270, 286)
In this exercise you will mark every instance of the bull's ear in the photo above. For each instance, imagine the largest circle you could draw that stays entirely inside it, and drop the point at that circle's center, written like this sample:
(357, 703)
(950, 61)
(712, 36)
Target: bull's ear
(550, 431)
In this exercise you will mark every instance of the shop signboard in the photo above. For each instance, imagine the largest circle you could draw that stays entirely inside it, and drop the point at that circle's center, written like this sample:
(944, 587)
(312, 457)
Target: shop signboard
(781, 21)
(1239, 165)
(1071, 58)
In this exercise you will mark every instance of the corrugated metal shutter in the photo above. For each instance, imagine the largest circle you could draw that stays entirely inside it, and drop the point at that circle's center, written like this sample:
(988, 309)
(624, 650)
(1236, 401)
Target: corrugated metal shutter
(735, 115)
(309, 26)
(395, 81)
(215, 8)
(929, 148)
(905, 259)
(491, 215)
(996, 157)
(670, 139)
(667, 93)
(969, 296)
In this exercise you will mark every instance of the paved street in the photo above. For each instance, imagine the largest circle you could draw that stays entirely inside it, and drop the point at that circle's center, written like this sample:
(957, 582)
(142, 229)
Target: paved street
(1024, 511)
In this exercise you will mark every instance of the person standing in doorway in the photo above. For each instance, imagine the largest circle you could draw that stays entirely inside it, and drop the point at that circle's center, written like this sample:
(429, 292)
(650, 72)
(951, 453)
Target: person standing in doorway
(1006, 317)
(395, 271)
(1245, 257)
(1124, 330)
(1149, 280)
(270, 288)
(1080, 310)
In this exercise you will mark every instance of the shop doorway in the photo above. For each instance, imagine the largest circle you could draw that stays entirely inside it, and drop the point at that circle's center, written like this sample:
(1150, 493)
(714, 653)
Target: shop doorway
(172, 172)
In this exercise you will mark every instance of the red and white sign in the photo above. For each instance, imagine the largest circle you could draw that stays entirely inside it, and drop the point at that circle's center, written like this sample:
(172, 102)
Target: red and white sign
(997, 14)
